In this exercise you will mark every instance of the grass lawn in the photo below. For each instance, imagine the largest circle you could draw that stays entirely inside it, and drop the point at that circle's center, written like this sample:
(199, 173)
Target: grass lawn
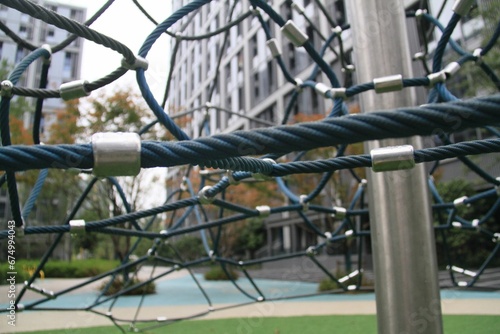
(453, 324)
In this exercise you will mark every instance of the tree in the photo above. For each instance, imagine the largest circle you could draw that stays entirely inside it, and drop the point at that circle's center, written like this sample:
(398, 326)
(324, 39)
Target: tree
(120, 111)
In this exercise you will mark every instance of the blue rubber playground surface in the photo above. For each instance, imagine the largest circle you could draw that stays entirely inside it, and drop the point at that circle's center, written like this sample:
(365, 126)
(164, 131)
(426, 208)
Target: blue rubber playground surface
(184, 291)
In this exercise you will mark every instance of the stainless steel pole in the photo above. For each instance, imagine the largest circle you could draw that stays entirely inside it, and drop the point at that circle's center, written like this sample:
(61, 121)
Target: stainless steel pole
(404, 256)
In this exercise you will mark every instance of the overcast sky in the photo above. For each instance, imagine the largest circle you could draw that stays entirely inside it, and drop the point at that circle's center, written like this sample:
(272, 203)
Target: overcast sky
(124, 22)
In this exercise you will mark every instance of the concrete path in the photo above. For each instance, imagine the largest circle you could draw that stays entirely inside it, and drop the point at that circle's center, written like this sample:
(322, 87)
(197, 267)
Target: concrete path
(177, 296)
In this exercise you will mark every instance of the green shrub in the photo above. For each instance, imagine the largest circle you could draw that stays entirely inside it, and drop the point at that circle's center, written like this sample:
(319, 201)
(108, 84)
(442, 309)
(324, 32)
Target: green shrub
(218, 274)
(328, 284)
(58, 269)
(118, 285)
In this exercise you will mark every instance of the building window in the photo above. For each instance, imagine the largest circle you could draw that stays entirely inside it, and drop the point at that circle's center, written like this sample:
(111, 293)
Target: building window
(20, 54)
(240, 61)
(70, 65)
(256, 86)
(76, 15)
(291, 57)
(254, 46)
(241, 99)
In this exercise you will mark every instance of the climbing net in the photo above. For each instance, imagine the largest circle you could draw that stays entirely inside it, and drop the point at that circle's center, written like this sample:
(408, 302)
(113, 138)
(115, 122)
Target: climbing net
(223, 164)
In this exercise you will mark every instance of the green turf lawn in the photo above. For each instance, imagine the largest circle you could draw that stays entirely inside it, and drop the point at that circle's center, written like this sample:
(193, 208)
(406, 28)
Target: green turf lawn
(453, 324)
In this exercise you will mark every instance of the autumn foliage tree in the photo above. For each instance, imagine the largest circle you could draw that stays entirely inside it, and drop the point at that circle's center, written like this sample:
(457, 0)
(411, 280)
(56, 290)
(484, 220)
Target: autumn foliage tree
(120, 111)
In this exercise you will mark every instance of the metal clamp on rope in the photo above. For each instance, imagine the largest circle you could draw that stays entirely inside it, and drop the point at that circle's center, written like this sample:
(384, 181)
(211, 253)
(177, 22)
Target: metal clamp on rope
(49, 49)
(340, 212)
(77, 226)
(264, 210)
(392, 158)
(6, 88)
(339, 92)
(139, 62)
(298, 8)
(73, 90)
(451, 69)
(460, 201)
(261, 176)
(349, 233)
(437, 77)
(116, 154)
(273, 46)
(419, 56)
(42, 291)
(389, 83)
(294, 34)
(255, 11)
(478, 54)
(203, 197)
(302, 201)
(496, 238)
(349, 68)
(337, 30)
(322, 89)
(462, 7)
(20, 229)
(311, 251)
(420, 12)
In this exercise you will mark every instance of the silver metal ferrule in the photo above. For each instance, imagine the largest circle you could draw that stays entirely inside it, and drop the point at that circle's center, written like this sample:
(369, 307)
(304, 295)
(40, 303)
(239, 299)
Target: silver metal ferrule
(322, 89)
(451, 69)
(261, 176)
(139, 62)
(203, 197)
(389, 83)
(339, 92)
(49, 49)
(40, 290)
(459, 201)
(73, 90)
(298, 8)
(264, 210)
(462, 7)
(6, 88)
(302, 201)
(437, 77)
(392, 158)
(420, 12)
(77, 226)
(477, 53)
(349, 68)
(116, 154)
(294, 34)
(273, 46)
(311, 251)
(337, 30)
(340, 212)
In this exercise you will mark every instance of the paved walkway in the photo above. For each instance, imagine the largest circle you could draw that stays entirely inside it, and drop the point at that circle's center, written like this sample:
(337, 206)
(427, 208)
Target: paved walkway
(177, 296)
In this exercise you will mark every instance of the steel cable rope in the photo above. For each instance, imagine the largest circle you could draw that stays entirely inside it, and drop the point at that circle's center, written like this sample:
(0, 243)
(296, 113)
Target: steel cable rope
(74, 27)
(401, 122)
(255, 142)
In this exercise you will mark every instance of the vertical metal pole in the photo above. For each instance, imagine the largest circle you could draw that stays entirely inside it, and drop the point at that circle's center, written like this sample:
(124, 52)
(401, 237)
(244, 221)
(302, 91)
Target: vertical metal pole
(404, 256)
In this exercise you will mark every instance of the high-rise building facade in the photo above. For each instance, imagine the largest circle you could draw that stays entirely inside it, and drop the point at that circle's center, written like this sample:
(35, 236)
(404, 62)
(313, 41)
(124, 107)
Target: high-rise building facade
(65, 65)
(237, 73)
